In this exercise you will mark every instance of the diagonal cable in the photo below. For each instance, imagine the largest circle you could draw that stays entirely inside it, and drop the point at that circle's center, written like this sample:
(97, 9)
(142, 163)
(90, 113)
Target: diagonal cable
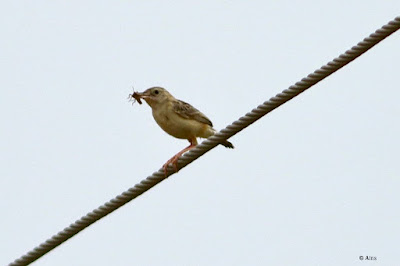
(211, 142)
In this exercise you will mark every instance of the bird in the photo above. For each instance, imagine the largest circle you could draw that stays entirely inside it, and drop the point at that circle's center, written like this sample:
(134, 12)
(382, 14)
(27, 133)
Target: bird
(177, 118)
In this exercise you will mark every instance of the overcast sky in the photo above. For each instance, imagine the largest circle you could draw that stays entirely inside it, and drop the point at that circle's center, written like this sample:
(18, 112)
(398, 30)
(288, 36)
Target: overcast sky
(315, 182)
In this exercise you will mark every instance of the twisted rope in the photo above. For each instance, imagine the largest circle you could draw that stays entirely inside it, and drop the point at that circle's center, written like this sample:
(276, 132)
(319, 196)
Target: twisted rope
(211, 142)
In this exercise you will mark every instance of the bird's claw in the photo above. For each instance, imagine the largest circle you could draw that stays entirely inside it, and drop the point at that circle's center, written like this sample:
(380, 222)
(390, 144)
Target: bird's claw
(174, 162)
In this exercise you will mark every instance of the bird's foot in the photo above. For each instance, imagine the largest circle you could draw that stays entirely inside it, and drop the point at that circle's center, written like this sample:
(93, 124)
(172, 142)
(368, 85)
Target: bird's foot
(174, 162)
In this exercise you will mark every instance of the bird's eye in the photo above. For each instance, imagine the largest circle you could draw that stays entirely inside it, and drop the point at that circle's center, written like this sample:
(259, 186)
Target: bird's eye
(156, 92)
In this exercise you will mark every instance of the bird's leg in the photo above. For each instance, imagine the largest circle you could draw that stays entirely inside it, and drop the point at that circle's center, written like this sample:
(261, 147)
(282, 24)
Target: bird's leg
(174, 159)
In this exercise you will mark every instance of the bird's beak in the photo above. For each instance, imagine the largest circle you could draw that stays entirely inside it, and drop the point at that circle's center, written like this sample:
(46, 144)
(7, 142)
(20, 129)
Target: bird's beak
(144, 95)
(139, 95)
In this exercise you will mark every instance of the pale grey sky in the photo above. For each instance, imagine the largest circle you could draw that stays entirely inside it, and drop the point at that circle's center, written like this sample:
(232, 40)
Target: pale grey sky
(316, 182)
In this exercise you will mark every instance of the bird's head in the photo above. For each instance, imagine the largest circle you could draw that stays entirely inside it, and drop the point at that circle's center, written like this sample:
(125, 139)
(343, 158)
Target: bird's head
(155, 96)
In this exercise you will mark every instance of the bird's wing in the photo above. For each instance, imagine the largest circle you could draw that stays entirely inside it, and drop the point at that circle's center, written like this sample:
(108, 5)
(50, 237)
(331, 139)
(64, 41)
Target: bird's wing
(187, 111)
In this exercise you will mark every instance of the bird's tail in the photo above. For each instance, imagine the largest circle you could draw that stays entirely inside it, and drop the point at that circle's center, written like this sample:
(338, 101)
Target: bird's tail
(227, 144)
